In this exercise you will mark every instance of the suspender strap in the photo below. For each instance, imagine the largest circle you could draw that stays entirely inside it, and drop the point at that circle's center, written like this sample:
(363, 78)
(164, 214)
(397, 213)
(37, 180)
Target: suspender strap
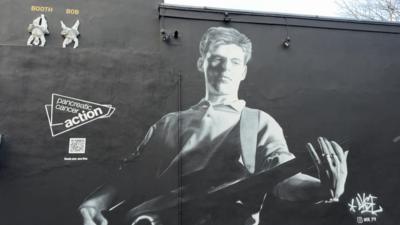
(249, 122)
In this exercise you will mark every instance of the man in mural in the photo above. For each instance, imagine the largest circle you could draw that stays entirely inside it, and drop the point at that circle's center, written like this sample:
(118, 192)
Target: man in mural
(220, 139)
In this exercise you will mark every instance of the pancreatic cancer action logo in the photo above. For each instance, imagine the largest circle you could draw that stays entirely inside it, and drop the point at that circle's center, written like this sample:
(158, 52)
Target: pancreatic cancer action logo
(67, 113)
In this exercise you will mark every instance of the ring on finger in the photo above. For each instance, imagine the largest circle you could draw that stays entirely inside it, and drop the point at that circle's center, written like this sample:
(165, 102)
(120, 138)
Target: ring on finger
(329, 155)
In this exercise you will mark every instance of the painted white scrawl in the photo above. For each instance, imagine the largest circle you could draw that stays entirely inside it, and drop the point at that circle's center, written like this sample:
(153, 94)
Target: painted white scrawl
(70, 34)
(38, 30)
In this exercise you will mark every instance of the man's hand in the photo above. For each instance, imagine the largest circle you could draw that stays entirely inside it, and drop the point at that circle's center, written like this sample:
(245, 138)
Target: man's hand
(92, 216)
(331, 165)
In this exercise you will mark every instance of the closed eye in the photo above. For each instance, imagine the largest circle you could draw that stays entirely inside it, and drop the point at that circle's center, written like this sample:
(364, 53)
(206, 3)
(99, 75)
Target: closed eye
(236, 61)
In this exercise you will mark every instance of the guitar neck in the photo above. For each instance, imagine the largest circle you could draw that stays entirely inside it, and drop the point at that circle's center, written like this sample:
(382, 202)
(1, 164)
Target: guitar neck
(266, 179)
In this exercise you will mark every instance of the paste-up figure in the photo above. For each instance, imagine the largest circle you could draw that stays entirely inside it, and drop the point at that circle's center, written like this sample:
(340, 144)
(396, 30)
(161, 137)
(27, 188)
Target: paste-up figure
(70, 34)
(38, 30)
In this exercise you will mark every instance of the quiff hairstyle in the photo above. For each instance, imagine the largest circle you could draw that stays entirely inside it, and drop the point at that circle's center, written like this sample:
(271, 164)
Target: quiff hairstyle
(216, 36)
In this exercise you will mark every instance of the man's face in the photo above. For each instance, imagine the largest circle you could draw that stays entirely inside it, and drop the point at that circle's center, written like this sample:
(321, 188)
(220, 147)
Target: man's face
(224, 68)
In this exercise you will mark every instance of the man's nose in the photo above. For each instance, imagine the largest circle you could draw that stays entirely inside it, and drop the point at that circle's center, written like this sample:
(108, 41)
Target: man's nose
(225, 64)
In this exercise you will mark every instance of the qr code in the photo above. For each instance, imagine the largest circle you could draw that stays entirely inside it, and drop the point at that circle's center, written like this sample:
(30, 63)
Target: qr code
(77, 145)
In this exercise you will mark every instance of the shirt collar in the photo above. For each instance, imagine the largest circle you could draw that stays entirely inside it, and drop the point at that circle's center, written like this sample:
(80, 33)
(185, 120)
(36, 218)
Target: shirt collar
(237, 105)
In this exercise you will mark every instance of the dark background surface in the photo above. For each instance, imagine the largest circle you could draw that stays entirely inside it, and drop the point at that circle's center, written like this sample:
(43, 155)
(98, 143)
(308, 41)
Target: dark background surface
(338, 79)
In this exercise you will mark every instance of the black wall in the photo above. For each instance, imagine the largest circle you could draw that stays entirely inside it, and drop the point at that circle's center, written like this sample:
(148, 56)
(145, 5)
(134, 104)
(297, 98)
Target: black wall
(337, 79)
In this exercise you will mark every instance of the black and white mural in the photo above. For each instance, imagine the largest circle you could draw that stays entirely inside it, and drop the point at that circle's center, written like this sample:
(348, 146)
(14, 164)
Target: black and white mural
(196, 119)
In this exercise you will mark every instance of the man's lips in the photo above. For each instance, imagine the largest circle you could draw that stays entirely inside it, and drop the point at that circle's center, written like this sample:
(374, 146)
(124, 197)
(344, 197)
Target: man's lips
(224, 78)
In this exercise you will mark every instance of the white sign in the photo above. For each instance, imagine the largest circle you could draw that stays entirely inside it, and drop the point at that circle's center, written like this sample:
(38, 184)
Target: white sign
(67, 113)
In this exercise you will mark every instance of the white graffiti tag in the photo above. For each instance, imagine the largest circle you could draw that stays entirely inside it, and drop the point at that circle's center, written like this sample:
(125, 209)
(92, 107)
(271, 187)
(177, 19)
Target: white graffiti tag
(365, 204)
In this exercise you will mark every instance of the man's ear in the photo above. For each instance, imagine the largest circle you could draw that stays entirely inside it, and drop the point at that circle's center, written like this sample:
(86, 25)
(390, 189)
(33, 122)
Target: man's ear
(200, 62)
(244, 72)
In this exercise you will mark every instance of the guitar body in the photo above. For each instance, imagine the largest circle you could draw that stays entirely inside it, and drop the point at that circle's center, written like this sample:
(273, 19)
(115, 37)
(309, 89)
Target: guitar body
(203, 206)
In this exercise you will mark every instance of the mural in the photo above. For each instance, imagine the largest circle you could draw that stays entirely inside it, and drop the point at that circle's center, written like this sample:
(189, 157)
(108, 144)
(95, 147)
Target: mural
(196, 117)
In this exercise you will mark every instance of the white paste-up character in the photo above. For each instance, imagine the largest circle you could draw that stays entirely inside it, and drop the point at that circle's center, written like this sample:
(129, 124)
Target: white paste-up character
(38, 29)
(70, 34)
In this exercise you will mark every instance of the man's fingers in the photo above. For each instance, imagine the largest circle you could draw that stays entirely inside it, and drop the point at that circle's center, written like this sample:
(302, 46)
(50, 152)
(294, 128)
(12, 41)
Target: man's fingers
(323, 147)
(336, 161)
(346, 153)
(332, 153)
(87, 218)
(326, 153)
(344, 162)
(314, 154)
(85, 213)
(329, 146)
(92, 216)
(341, 155)
(324, 172)
(329, 160)
(101, 220)
(315, 158)
(338, 150)
(332, 193)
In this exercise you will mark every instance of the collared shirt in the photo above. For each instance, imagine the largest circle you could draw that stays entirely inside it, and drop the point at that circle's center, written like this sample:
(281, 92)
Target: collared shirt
(194, 135)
